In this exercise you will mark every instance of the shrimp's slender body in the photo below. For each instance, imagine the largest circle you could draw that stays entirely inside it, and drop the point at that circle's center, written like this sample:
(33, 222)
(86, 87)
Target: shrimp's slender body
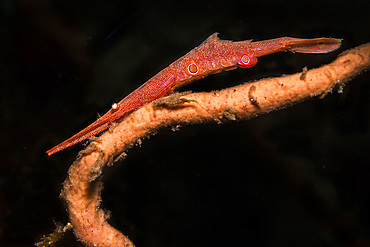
(212, 56)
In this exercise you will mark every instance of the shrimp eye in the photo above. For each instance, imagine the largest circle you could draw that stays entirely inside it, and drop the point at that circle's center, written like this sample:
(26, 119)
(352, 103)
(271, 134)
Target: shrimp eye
(193, 69)
(247, 62)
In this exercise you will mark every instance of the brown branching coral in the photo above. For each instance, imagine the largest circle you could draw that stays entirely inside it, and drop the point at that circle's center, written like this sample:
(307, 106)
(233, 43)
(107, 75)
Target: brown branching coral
(82, 187)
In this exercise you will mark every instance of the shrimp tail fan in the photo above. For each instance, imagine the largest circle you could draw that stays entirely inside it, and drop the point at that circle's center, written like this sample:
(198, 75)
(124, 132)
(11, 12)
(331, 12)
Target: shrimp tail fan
(319, 45)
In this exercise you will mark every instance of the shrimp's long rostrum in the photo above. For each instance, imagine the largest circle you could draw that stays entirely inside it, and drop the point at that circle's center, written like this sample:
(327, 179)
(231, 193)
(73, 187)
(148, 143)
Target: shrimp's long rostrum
(212, 56)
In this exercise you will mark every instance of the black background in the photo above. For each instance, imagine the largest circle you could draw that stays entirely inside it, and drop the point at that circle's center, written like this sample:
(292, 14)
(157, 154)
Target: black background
(296, 177)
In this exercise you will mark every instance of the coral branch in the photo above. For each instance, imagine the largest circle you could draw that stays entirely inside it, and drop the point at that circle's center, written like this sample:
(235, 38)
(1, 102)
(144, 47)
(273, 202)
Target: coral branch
(81, 188)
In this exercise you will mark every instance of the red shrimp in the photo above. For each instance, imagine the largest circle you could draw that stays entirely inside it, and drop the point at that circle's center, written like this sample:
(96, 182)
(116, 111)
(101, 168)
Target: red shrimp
(212, 56)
